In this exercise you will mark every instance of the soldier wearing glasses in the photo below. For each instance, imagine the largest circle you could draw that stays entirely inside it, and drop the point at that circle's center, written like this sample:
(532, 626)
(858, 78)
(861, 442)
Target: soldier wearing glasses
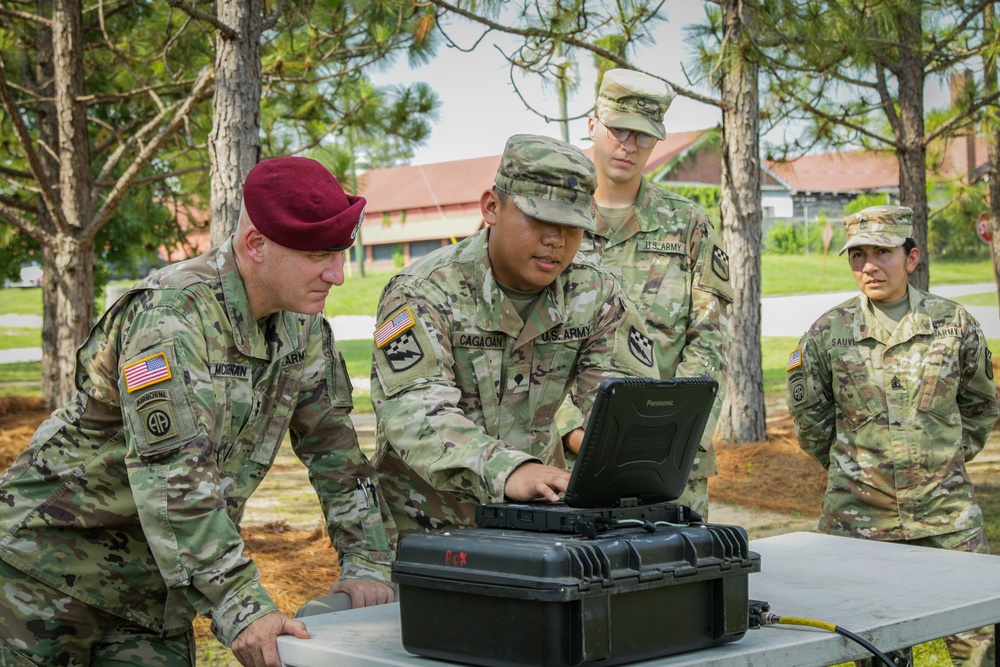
(663, 249)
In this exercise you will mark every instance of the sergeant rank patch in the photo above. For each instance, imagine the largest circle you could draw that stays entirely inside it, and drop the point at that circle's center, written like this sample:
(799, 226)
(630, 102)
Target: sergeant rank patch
(147, 371)
(641, 346)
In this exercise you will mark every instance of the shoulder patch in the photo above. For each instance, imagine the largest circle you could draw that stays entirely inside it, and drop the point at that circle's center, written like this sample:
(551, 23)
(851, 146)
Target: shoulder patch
(794, 359)
(147, 371)
(640, 346)
(402, 352)
(720, 263)
(396, 325)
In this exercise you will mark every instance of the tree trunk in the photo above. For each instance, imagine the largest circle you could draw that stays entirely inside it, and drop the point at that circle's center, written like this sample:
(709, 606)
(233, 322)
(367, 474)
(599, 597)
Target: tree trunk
(68, 294)
(234, 143)
(912, 154)
(68, 264)
(743, 416)
(993, 144)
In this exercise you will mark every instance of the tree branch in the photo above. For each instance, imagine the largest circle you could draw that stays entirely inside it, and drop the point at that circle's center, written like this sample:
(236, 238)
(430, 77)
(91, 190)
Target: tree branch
(211, 19)
(572, 41)
(27, 145)
(201, 91)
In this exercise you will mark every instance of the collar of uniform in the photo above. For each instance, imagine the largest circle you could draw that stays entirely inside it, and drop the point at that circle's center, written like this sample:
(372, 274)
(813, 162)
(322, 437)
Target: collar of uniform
(490, 310)
(916, 323)
(248, 336)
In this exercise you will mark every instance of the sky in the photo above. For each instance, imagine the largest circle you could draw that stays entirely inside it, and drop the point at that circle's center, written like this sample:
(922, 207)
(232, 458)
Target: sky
(479, 108)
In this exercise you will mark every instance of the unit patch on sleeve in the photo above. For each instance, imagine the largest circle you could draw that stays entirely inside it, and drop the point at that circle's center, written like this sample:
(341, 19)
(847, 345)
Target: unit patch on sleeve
(720, 263)
(641, 346)
(396, 325)
(146, 371)
(402, 352)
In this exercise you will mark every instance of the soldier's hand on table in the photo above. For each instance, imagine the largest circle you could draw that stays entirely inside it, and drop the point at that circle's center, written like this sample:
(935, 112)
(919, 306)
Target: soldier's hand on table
(256, 645)
(363, 592)
(531, 481)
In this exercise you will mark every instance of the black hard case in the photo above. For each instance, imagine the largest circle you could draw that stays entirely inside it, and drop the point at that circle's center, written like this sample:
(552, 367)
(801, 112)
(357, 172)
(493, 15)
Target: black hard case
(490, 596)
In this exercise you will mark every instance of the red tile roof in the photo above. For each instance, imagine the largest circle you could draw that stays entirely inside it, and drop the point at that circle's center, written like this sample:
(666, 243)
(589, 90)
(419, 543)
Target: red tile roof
(839, 172)
(410, 187)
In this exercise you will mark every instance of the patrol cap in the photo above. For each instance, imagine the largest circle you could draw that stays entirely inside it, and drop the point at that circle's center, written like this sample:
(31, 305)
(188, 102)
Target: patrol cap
(883, 226)
(296, 202)
(548, 180)
(633, 101)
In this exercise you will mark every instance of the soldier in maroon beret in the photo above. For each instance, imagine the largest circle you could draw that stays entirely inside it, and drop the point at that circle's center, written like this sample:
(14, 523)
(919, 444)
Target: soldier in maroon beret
(295, 206)
(186, 388)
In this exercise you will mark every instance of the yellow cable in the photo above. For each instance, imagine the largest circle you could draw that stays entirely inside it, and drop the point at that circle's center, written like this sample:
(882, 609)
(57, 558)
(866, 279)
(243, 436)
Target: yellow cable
(791, 620)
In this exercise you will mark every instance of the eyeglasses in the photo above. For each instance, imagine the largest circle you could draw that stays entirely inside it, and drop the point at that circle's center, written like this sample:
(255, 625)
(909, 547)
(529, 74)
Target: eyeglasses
(642, 140)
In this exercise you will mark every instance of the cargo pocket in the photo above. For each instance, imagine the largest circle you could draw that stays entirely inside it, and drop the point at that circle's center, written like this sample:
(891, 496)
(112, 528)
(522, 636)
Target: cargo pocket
(489, 399)
(938, 386)
(278, 407)
(856, 397)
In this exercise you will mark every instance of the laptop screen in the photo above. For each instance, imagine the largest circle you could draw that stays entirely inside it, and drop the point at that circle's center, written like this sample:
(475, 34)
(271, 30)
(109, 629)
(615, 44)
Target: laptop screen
(641, 441)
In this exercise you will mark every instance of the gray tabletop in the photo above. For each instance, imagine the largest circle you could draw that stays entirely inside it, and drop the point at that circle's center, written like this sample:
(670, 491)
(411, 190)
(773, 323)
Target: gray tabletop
(893, 595)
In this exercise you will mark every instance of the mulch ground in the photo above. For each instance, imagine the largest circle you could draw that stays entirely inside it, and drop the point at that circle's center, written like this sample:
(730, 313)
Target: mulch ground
(774, 475)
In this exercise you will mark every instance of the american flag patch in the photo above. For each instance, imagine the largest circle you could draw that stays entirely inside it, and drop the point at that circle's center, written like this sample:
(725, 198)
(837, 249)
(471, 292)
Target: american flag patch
(146, 371)
(794, 359)
(399, 323)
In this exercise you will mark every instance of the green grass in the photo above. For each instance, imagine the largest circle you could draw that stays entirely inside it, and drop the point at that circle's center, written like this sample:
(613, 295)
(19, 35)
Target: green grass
(984, 299)
(21, 301)
(357, 296)
(15, 337)
(804, 274)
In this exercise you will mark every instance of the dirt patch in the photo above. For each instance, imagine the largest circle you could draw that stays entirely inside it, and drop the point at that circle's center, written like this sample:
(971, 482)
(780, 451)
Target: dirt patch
(775, 475)
(767, 487)
(19, 417)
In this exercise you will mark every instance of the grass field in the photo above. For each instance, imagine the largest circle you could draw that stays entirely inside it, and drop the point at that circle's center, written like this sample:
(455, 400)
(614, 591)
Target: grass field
(781, 275)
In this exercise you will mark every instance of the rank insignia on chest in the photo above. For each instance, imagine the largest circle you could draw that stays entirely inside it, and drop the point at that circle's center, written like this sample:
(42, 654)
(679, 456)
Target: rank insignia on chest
(146, 371)
(399, 323)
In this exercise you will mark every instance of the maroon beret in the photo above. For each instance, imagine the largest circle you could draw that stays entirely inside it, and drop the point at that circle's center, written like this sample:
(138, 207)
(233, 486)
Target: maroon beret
(296, 201)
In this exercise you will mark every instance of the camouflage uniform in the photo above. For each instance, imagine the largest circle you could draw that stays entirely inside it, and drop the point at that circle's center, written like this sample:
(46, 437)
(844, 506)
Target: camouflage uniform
(128, 497)
(894, 416)
(669, 259)
(464, 390)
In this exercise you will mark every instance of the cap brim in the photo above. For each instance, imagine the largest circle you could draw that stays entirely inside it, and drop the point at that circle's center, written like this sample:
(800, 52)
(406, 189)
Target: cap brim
(634, 121)
(556, 212)
(877, 240)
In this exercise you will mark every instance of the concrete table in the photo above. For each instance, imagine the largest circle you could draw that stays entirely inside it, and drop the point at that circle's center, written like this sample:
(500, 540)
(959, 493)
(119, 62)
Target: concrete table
(892, 595)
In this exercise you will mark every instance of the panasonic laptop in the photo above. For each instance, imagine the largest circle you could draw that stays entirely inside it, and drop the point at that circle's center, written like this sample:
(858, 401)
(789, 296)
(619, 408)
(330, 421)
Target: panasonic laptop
(637, 452)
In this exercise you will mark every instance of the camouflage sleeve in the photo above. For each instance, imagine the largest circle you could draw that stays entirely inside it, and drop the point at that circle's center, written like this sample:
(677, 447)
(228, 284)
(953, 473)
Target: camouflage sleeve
(809, 395)
(173, 471)
(707, 334)
(417, 401)
(619, 347)
(323, 437)
(977, 393)
(568, 417)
